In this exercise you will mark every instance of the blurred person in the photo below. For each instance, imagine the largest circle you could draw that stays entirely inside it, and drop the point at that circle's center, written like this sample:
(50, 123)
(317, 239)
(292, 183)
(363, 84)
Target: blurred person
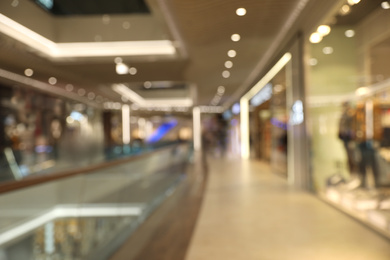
(347, 135)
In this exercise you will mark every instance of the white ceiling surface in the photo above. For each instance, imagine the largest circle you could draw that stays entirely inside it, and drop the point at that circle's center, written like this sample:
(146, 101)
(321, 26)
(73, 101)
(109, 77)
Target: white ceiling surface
(199, 33)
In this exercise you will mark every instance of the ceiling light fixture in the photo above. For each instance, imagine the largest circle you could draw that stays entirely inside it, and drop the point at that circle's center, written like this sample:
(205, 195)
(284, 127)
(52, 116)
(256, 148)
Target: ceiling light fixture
(132, 71)
(232, 53)
(353, 2)
(345, 9)
(235, 37)
(385, 5)
(327, 50)
(69, 87)
(221, 90)
(323, 30)
(121, 69)
(118, 60)
(313, 62)
(349, 33)
(147, 84)
(315, 37)
(228, 64)
(226, 74)
(241, 11)
(28, 72)
(52, 80)
(81, 92)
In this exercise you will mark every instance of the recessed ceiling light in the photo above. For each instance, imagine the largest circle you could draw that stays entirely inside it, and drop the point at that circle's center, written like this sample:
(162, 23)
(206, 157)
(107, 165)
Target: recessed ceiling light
(69, 87)
(353, 2)
(323, 29)
(313, 62)
(385, 5)
(241, 11)
(118, 60)
(121, 68)
(327, 50)
(91, 95)
(28, 72)
(345, 9)
(315, 37)
(226, 74)
(52, 80)
(232, 53)
(235, 37)
(349, 33)
(15, 3)
(132, 71)
(221, 89)
(126, 25)
(228, 64)
(147, 84)
(81, 92)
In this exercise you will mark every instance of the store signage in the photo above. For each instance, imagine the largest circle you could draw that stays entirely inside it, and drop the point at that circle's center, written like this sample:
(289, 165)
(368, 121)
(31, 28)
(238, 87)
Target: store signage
(296, 113)
(48, 4)
(262, 96)
(236, 108)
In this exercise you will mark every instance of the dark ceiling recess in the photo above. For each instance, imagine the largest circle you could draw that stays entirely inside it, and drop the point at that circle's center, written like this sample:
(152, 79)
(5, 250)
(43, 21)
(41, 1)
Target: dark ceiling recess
(93, 7)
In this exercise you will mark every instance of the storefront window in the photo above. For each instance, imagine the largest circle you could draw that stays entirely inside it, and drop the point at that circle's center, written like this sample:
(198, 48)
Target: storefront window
(348, 99)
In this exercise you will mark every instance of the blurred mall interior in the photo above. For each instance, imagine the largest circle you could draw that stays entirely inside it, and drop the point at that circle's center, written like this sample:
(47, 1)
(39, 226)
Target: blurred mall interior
(178, 129)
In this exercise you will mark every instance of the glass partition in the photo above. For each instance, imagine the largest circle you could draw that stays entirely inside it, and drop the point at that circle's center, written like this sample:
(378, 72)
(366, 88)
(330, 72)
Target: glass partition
(348, 100)
(87, 216)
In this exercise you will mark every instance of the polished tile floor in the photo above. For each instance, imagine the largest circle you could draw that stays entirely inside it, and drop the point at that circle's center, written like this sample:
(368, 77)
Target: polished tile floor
(249, 213)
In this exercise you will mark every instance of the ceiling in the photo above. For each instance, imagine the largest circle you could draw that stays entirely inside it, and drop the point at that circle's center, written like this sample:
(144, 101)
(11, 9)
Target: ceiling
(191, 40)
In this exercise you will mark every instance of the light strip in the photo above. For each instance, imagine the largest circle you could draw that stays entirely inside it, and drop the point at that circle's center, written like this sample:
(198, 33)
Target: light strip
(244, 126)
(83, 49)
(140, 101)
(269, 76)
(64, 212)
(126, 124)
(197, 129)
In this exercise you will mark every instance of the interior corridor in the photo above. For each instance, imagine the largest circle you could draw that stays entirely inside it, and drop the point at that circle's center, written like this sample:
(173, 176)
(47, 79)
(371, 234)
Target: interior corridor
(250, 213)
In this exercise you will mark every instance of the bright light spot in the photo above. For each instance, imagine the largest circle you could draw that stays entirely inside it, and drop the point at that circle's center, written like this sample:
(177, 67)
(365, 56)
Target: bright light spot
(147, 84)
(69, 87)
(15, 3)
(52, 80)
(353, 2)
(345, 9)
(362, 91)
(118, 60)
(313, 62)
(235, 37)
(81, 92)
(228, 64)
(385, 5)
(126, 25)
(315, 37)
(226, 74)
(327, 50)
(241, 11)
(296, 113)
(91, 95)
(132, 71)
(232, 53)
(349, 33)
(236, 108)
(122, 69)
(278, 88)
(28, 72)
(70, 120)
(106, 19)
(323, 30)
(221, 90)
